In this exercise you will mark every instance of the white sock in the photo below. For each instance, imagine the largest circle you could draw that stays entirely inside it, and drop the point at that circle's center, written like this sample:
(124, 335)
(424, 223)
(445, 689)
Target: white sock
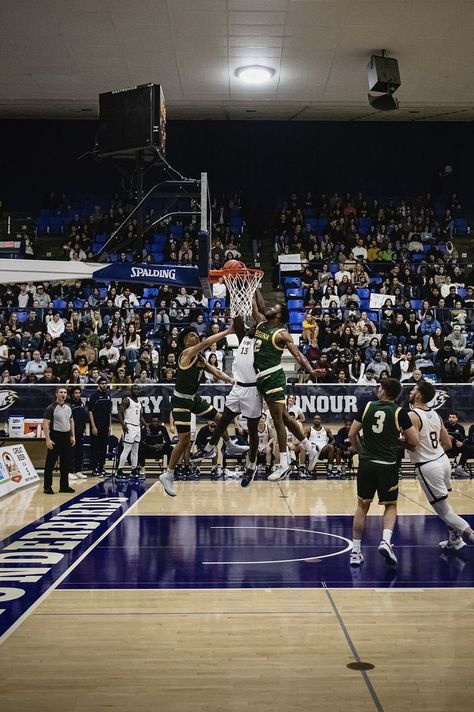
(170, 472)
(307, 445)
(356, 545)
(387, 535)
(283, 459)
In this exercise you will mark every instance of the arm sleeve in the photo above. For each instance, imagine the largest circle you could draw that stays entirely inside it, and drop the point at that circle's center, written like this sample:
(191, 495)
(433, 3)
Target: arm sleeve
(49, 412)
(404, 419)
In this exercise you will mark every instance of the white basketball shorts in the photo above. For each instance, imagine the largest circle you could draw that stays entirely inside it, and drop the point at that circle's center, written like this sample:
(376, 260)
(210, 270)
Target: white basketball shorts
(246, 400)
(133, 435)
(435, 478)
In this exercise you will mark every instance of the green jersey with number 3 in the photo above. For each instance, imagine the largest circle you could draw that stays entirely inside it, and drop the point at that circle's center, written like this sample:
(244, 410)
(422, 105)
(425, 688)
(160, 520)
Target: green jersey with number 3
(381, 431)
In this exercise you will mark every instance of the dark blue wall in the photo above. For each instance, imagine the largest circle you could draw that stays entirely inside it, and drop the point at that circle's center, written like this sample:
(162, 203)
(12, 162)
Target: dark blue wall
(266, 159)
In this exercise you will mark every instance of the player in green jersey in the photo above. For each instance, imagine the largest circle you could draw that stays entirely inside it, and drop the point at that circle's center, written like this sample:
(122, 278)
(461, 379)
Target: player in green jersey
(271, 339)
(380, 423)
(191, 366)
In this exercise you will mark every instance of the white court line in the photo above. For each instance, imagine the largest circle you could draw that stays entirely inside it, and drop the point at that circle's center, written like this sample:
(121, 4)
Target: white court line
(285, 561)
(56, 583)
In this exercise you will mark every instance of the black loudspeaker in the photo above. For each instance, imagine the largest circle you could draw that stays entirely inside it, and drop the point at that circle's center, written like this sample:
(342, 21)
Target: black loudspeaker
(383, 74)
(132, 119)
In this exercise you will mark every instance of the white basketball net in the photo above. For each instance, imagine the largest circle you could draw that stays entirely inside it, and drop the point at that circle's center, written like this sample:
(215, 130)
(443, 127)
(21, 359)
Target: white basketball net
(242, 286)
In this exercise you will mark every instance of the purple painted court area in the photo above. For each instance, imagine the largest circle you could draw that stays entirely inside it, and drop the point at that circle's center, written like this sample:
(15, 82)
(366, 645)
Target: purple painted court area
(185, 552)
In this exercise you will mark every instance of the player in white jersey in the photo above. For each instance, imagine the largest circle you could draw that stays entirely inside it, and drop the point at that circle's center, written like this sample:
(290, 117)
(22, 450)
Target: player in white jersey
(244, 398)
(131, 419)
(324, 441)
(432, 466)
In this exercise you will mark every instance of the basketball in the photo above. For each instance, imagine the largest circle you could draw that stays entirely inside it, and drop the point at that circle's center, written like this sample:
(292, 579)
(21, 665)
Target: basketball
(233, 264)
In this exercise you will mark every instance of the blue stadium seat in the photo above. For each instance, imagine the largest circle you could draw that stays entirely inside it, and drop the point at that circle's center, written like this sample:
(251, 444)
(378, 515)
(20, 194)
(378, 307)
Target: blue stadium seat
(42, 225)
(461, 226)
(364, 304)
(313, 224)
(150, 291)
(157, 256)
(79, 303)
(95, 247)
(363, 293)
(176, 230)
(376, 280)
(294, 293)
(291, 282)
(295, 304)
(103, 292)
(322, 225)
(333, 267)
(56, 223)
(296, 320)
(416, 303)
(21, 316)
(100, 239)
(59, 304)
(462, 291)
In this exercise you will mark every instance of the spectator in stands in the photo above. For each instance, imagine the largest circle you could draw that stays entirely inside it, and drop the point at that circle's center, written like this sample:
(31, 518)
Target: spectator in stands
(70, 338)
(85, 351)
(219, 289)
(122, 380)
(446, 364)
(48, 376)
(428, 327)
(55, 326)
(110, 352)
(36, 366)
(132, 343)
(396, 332)
(310, 328)
(24, 298)
(143, 378)
(42, 298)
(459, 342)
(378, 364)
(60, 367)
(33, 324)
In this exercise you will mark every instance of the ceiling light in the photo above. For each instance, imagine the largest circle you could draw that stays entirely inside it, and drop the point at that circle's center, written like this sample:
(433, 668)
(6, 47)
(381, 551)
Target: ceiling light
(254, 74)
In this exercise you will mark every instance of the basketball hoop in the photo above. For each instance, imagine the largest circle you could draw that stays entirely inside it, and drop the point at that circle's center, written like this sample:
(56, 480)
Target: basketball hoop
(241, 283)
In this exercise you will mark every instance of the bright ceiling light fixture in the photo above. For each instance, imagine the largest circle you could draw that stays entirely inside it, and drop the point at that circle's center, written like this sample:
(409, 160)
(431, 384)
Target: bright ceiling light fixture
(254, 74)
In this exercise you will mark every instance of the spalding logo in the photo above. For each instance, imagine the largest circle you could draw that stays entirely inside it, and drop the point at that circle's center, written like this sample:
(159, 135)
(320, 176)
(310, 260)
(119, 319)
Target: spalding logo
(7, 398)
(439, 400)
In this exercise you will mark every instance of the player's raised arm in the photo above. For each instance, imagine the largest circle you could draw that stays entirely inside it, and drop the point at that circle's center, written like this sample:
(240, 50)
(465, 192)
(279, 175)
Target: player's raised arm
(258, 307)
(239, 327)
(218, 373)
(192, 351)
(285, 339)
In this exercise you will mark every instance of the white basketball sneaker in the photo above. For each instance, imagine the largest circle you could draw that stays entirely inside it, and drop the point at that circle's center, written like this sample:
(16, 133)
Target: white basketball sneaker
(453, 544)
(356, 558)
(386, 550)
(167, 481)
(279, 473)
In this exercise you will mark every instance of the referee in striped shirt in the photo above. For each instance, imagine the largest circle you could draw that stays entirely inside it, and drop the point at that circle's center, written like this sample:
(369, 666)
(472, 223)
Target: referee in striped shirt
(58, 426)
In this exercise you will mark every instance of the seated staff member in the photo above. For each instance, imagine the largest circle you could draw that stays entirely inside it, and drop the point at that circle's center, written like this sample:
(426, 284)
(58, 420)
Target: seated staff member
(58, 426)
(191, 366)
(154, 443)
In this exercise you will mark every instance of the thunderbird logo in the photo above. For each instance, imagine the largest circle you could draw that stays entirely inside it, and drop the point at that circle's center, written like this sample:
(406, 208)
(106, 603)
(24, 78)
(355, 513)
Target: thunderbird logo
(7, 398)
(439, 400)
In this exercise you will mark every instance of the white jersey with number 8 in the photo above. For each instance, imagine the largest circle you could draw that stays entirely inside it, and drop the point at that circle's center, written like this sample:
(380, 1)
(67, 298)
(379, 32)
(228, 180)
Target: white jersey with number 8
(429, 447)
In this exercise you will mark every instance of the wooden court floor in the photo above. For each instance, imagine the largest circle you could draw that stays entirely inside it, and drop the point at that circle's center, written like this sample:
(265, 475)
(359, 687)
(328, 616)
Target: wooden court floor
(228, 649)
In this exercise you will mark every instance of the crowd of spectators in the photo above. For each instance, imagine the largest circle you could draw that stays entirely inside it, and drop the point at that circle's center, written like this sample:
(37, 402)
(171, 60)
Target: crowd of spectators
(378, 288)
(76, 332)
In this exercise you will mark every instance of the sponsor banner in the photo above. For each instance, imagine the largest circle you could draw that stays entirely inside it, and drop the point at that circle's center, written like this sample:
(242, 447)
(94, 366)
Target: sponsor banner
(332, 401)
(16, 469)
(174, 275)
(35, 559)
